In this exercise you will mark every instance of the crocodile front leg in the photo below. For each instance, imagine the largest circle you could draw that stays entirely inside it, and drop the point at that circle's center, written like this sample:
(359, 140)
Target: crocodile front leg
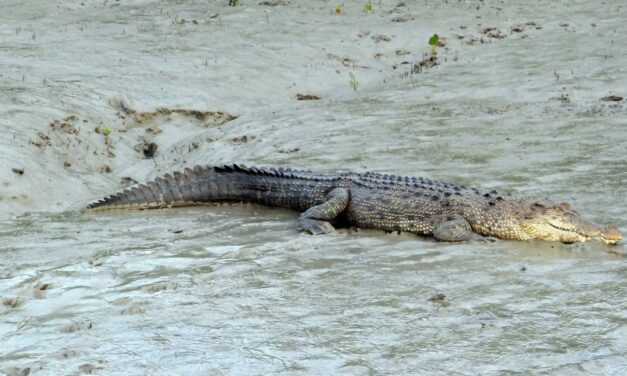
(453, 229)
(315, 220)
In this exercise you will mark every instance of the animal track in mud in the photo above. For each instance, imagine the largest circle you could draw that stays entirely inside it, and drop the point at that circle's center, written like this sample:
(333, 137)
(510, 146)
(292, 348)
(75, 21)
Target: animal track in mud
(205, 118)
(75, 141)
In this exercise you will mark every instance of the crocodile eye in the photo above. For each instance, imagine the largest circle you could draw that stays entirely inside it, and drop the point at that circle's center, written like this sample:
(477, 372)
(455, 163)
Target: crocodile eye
(564, 206)
(567, 208)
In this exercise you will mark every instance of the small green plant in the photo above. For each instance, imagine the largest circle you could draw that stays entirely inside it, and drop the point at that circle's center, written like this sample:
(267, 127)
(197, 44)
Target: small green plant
(353, 81)
(434, 42)
(339, 9)
(233, 3)
(369, 7)
(106, 131)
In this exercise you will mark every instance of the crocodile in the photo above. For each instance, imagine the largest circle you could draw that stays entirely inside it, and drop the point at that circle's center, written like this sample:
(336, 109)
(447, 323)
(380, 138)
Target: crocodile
(445, 211)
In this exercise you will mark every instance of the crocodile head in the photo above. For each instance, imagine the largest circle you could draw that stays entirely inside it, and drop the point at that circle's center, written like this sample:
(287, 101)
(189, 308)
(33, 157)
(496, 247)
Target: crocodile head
(560, 222)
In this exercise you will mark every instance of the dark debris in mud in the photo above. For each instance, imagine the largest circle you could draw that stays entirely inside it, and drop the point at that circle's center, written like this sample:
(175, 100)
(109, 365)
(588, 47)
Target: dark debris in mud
(149, 150)
(403, 18)
(488, 34)
(66, 125)
(612, 98)
(242, 139)
(41, 141)
(274, 3)
(105, 169)
(440, 299)
(288, 151)
(482, 35)
(40, 289)
(493, 33)
(307, 97)
(426, 63)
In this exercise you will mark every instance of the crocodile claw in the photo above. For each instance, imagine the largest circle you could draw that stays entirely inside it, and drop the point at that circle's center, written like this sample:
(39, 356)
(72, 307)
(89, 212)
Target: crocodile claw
(316, 227)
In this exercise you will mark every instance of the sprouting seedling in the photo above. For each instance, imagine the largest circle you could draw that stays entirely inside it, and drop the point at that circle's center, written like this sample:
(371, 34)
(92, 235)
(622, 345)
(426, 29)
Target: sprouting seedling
(106, 131)
(353, 81)
(233, 3)
(369, 7)
(434, 42)
(339, 9)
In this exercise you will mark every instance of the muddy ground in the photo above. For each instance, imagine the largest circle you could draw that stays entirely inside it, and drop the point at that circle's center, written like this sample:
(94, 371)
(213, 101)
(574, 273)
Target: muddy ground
(97, 95)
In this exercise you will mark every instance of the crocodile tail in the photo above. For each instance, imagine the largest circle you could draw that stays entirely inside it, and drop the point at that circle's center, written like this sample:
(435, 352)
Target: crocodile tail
(285, 188)
(192, 186)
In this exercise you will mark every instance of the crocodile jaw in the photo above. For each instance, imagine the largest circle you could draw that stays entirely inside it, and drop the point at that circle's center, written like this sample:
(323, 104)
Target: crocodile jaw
(573, 233)
(611, 235)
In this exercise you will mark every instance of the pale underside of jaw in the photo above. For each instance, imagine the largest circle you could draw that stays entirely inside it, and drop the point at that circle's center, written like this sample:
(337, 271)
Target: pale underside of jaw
(610, 241)
(582, 237)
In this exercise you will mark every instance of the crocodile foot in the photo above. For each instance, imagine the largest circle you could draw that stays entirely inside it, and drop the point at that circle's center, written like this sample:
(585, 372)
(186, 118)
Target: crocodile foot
(315, 227)
(453, 229)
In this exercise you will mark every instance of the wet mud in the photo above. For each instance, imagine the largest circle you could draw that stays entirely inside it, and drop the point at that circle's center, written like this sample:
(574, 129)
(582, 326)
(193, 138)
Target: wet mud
(98, 95)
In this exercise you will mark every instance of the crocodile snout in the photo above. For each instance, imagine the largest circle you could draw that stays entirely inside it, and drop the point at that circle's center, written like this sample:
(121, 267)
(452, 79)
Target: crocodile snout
(611, 235)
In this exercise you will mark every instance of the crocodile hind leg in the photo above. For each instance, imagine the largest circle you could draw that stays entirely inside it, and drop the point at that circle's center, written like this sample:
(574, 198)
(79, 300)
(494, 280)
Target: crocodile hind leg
(315, 220)
(453, 229)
